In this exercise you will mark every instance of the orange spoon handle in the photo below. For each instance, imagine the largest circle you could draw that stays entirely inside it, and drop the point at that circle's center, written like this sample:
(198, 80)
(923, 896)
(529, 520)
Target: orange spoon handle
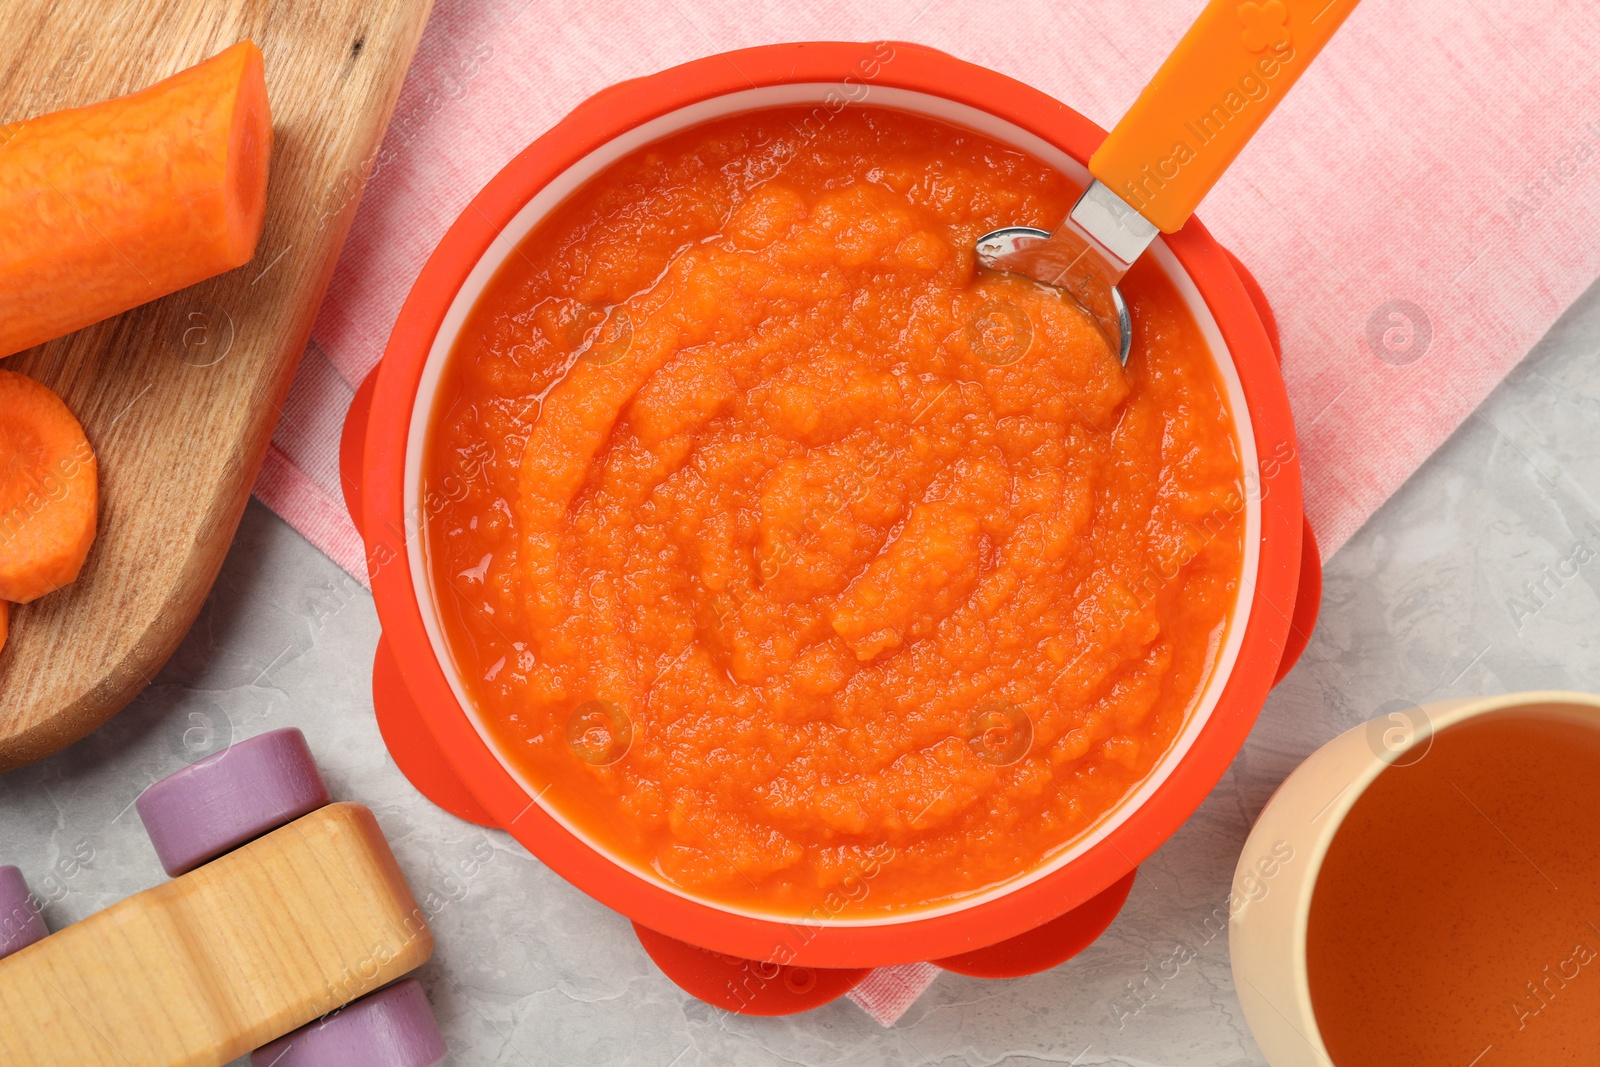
(1211, 95)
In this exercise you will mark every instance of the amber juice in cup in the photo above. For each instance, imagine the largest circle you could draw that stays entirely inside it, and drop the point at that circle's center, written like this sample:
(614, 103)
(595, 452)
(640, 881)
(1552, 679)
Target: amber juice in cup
(1456, 918)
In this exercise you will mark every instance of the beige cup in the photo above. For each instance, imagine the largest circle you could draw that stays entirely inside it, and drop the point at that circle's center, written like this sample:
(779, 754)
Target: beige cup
(1271, 902)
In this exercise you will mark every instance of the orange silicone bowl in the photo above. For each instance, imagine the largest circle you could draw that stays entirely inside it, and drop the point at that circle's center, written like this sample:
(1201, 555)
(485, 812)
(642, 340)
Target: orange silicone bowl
(707, 948)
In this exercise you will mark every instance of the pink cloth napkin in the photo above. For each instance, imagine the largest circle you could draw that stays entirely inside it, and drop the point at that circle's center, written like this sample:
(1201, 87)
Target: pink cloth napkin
(1419, 210)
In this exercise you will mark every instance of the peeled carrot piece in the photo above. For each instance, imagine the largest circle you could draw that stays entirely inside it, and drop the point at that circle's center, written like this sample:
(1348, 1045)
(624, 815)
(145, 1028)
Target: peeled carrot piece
(106, 207)
(49, 488)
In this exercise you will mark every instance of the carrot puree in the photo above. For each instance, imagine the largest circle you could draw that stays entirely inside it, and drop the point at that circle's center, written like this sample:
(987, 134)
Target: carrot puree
(1456, 918)
(801, 563)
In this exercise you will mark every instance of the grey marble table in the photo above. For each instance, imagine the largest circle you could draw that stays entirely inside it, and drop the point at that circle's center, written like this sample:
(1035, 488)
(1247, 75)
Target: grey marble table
(1430, 599)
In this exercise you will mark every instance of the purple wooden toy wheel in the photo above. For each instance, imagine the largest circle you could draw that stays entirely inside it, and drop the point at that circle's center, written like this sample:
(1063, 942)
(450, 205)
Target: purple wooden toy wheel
(231, 797)
(21, 924)
(393, 1027)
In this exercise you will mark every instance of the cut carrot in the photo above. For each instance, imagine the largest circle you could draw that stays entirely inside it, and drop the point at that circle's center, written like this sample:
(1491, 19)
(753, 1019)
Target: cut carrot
(106, 207)
(5, 622)
(49, 486)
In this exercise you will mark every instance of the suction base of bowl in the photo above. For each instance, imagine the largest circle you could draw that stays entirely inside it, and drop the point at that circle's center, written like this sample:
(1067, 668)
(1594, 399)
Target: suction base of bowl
(406, 736)
(753, 987)
(746, 987)
(1308, 596)
(1047, 946)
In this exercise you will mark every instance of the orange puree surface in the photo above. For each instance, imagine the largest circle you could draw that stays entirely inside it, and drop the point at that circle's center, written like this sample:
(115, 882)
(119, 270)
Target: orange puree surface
(798, 561)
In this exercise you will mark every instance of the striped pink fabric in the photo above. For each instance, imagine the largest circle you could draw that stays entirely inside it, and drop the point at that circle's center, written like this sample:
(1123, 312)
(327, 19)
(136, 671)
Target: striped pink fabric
(1419, 211)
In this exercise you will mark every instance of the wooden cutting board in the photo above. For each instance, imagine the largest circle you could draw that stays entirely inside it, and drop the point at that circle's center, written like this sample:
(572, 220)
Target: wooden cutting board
(179, 397)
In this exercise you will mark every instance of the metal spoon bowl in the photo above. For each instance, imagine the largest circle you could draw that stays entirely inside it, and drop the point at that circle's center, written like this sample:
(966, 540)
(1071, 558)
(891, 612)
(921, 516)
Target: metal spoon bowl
(1027, 250)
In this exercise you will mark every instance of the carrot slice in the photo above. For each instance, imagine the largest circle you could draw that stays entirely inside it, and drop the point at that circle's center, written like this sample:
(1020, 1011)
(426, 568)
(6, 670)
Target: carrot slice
(49, 488)
(106, 207)
(5, 622)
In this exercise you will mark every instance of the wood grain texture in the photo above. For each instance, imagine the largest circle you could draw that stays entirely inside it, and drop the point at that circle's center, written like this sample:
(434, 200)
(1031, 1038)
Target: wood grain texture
(209, 966)
(179, 397)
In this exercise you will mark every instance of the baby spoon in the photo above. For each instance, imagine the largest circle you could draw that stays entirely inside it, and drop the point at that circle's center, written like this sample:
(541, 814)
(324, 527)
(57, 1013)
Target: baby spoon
(1210, 96)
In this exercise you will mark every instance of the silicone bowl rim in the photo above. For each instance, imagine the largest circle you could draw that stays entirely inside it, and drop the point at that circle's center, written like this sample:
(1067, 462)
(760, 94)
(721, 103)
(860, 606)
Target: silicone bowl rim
(387, 528)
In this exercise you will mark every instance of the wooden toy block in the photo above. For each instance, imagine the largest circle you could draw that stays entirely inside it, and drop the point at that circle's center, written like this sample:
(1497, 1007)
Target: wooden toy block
(283, 909)
(211, 965)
